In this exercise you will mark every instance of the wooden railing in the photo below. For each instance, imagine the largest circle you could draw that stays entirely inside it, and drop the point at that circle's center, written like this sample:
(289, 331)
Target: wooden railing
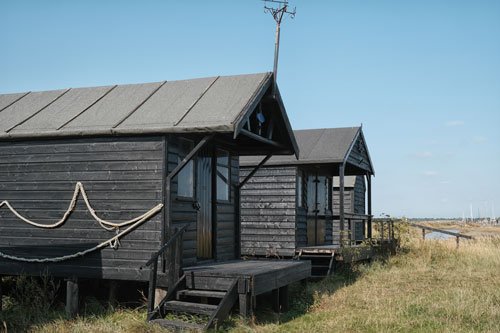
(174, 255)
(446, 232)
(349, 233)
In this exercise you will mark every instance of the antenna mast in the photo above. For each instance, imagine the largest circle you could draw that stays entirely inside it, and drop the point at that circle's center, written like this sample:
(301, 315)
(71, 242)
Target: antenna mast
(277, 8)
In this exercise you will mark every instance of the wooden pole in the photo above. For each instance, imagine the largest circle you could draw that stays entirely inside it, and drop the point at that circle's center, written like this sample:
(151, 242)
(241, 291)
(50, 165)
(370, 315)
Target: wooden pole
(369, 183)
(423, 234)
(72, 297)
(341, 202)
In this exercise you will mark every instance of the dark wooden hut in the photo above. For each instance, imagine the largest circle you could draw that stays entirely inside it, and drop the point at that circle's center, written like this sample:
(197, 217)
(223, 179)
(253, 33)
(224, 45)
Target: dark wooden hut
(287, 205)
(163, 156)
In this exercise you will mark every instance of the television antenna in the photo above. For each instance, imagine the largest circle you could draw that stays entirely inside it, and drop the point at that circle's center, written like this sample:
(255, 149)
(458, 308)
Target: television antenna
(278, 9)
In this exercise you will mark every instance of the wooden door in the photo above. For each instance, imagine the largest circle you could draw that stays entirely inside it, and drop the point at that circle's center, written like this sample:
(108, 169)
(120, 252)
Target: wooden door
(204, 205)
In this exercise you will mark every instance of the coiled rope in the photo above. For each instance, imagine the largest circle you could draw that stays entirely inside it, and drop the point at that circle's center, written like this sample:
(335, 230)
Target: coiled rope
(108, 225)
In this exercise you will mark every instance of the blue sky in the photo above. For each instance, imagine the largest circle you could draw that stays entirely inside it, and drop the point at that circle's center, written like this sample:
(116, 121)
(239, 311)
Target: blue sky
(423, 77)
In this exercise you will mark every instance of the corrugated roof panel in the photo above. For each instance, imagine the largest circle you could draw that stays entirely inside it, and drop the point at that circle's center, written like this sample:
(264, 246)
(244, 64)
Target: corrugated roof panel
(168, 104)
(26, 107)
(113, 107)
(222, 103)
(63, 110)
(7, 99)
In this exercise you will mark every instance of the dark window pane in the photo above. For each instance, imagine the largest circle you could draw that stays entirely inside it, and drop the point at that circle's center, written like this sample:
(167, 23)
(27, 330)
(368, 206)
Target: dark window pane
(223, 177)
(185, 178)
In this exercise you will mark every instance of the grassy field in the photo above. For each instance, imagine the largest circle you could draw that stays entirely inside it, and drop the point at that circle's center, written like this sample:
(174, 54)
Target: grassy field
(427, 286)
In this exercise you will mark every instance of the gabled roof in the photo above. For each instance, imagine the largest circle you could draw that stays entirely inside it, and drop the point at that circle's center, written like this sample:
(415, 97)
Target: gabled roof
(319, 146)
(214, 104)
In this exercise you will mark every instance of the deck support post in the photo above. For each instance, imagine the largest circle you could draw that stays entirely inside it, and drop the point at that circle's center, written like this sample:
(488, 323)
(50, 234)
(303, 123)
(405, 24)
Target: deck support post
(113, 286)
(283, 298)
(369, 184)
(72, 296)
(246, 309)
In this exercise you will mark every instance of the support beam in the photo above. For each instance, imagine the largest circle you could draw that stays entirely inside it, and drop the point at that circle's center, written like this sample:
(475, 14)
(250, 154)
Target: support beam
(341, 202)
(72, 297)
(247, 178)
(369, 185)
(262, 139)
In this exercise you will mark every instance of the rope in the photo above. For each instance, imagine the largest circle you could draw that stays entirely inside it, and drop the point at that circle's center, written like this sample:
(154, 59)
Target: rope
(113, 242)
(82, 253)
(108, 225)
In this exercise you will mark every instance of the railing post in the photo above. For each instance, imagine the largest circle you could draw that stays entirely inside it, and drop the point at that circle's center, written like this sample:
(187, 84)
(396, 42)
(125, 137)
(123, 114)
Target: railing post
(152, 286)
(382, 231)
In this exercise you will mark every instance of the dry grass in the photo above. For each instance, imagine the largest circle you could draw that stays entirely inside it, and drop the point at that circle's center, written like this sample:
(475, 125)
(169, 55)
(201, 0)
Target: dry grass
(429, 286)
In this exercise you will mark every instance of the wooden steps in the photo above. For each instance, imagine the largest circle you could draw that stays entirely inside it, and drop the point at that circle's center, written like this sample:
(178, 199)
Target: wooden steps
(190, 307)
(200, 293)
(205, 307)
(321, 263)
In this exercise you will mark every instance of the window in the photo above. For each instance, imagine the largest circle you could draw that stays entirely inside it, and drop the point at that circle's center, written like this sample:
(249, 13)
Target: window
(185, 178)
(223, 176)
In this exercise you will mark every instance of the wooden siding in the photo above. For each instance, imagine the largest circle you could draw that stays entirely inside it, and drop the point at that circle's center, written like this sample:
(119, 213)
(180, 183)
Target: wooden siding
(123, 179)
(268, 212)
(226, 218)
(359, 155)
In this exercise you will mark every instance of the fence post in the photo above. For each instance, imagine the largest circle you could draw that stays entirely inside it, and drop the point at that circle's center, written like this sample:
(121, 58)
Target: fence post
(423, 233)
(458, 241)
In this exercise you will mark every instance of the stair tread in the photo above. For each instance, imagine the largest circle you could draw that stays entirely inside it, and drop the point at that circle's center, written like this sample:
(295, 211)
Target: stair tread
(177, 324)
(190, 307)
(202, 293)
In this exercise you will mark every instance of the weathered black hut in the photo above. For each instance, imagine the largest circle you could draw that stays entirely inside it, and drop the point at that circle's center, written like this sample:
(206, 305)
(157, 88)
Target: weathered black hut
(287, 205)
(161, 156)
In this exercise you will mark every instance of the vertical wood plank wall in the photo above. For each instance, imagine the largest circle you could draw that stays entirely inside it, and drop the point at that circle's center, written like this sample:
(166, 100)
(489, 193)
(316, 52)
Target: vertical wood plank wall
(123, 179)
(268, 212)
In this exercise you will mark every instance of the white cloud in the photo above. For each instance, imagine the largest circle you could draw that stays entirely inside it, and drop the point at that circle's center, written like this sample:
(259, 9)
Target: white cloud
(444, 182)
(454, 123)
(430, 173)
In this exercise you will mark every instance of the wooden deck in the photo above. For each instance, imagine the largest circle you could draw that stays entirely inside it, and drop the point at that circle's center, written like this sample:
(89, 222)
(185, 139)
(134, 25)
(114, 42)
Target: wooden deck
(254, 277)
